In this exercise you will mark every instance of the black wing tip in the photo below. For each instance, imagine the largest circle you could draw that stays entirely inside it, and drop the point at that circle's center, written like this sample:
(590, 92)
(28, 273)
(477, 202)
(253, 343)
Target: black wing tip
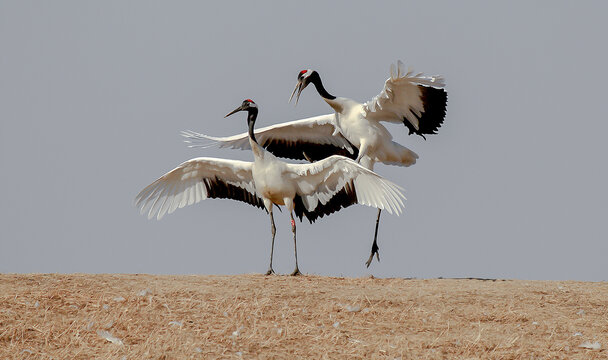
(219, 189)
(301, 150)
(435, 103)
(342, 199)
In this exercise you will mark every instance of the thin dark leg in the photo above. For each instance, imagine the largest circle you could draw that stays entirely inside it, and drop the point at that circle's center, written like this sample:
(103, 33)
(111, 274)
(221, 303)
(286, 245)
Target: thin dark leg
(375, 247)
(295, 247)
(274, 231)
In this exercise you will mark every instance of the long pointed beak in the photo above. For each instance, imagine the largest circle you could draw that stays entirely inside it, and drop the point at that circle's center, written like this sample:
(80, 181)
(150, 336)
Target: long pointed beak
(299, 87)
(240, 108)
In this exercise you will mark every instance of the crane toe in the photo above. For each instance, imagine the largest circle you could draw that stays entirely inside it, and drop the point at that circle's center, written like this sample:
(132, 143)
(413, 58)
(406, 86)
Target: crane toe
(375, 249)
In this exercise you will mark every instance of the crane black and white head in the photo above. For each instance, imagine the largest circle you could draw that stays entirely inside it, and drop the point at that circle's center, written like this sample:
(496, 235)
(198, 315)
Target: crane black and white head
(304, 78)
(247, 105)
(252, 111)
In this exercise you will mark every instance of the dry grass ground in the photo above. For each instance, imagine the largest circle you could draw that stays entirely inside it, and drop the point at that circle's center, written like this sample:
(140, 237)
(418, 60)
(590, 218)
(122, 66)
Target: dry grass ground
(255, 316)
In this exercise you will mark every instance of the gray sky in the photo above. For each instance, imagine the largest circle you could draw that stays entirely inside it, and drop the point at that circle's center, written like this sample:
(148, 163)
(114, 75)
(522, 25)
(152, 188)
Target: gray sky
(93, 96)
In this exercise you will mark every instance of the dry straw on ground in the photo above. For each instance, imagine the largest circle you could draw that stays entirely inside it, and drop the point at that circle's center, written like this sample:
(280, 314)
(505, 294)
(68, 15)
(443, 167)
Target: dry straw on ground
(253, 316)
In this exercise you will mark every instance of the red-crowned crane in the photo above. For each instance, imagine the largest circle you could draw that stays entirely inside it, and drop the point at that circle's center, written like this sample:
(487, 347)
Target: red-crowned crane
(311, 190)
(355, 129)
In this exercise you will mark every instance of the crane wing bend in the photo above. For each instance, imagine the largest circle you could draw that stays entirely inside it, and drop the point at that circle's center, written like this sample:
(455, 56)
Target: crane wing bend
(336, 182)
(415, 100)
(313, 139)
(198, 179)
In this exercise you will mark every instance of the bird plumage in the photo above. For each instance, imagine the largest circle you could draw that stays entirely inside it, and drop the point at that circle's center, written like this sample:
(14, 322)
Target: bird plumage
(196, 180)
(316, 137)
(416, 100)
(355, 129)
(312, 190)
(315, 184)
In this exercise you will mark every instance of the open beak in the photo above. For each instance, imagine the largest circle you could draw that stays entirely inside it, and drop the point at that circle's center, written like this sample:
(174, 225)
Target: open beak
(299, 87)
(240, 108)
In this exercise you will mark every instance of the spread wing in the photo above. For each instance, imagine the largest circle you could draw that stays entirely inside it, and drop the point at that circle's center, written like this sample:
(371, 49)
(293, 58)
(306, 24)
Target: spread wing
(336, 182)
(198, 179)
(417, 101)
(313, 139)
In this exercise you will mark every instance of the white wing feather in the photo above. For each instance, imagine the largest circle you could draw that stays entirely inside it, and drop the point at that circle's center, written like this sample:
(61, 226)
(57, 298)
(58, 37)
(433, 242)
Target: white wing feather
(321, 180)
(401, 97)
(315, 130)
(185, 185)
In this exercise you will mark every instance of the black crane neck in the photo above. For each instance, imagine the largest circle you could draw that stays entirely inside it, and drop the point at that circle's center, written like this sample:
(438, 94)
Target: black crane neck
(251, 117)
(316, 80)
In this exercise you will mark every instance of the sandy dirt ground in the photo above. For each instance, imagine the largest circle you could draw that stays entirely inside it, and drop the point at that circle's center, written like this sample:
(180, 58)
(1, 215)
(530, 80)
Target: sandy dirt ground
(84, 316)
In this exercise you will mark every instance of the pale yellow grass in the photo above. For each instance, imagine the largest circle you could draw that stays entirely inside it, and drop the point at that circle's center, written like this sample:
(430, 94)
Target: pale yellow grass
(266, 317)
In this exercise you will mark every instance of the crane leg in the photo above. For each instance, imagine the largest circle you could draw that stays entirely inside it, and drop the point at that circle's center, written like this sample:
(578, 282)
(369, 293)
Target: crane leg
(375, 247)
(296, 271)
(273, 229)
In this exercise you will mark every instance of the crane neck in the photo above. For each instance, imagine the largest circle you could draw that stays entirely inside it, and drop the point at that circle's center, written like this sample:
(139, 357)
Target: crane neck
(251, 117)
(316, 80)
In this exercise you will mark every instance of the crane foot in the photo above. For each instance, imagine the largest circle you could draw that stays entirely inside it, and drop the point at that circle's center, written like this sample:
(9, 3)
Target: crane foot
(375, 249)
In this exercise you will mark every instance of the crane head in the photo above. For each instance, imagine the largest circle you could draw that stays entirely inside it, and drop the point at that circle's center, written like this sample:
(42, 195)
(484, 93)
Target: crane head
(245, 106)
(304, 78)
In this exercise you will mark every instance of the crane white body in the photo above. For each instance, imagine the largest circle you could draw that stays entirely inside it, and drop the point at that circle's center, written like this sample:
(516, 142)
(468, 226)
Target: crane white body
(372, 139)
(309, 189)
(353, 124)
(417, 101)
(271, 180)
